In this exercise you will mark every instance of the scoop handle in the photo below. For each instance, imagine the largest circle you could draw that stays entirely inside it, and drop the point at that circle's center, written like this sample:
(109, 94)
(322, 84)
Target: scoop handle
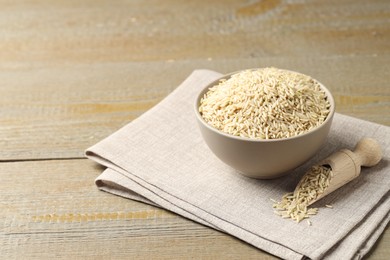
(346, 165)
(367, 152)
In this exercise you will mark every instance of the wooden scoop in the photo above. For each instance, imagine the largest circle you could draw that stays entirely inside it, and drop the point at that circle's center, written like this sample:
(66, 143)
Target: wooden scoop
(345, 164)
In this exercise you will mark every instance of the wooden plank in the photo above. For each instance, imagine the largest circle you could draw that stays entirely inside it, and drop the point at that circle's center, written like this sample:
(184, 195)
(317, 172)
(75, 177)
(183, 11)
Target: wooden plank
(95, 31)
(72, 72)
(53, 209)
(57, 111)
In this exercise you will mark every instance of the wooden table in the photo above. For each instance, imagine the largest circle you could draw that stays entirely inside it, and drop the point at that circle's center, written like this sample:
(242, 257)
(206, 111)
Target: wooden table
(72, 72)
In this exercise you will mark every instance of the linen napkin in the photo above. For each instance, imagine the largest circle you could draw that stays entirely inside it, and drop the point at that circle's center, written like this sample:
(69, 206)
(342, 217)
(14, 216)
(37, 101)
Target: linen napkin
(160, 158)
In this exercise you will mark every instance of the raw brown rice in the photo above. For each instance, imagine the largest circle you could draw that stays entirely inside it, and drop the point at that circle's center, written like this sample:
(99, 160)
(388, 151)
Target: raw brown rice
(267, 103)
(294, 205)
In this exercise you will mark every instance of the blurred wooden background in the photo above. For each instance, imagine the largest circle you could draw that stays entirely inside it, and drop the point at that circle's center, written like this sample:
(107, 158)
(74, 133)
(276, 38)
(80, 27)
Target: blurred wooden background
(72, 72)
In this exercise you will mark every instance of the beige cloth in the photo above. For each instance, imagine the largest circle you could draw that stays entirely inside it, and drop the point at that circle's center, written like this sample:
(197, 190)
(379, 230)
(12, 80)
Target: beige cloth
(161, 159)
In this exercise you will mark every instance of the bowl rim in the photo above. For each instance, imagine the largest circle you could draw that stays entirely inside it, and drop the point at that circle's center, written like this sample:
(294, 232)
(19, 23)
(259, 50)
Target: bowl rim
(247, 139)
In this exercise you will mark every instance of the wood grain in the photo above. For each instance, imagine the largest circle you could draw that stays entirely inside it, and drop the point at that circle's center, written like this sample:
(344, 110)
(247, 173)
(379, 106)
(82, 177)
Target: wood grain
(72, 72)
(57, 111)
(53, 209)
(103, 30)
(85, 68)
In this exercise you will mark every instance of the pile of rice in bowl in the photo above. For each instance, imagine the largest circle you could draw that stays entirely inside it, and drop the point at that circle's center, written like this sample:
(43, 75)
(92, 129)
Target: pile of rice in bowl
(267, 103)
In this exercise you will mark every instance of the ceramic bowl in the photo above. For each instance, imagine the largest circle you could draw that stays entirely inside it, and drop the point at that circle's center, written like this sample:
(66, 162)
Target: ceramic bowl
(263, 159)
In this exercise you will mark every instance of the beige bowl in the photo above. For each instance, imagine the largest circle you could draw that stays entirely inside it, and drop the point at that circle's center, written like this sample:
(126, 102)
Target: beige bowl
(263, 159)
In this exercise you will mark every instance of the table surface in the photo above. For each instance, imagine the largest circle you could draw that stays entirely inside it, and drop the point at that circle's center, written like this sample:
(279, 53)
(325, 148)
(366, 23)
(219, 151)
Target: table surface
(72, 72)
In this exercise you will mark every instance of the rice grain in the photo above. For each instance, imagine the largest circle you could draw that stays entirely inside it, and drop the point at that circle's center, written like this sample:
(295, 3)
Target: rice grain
(267, 103)
(294, 205)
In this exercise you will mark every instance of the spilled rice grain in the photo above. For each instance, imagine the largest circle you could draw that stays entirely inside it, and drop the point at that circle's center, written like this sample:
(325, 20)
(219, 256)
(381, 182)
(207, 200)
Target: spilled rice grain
(294, 205)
